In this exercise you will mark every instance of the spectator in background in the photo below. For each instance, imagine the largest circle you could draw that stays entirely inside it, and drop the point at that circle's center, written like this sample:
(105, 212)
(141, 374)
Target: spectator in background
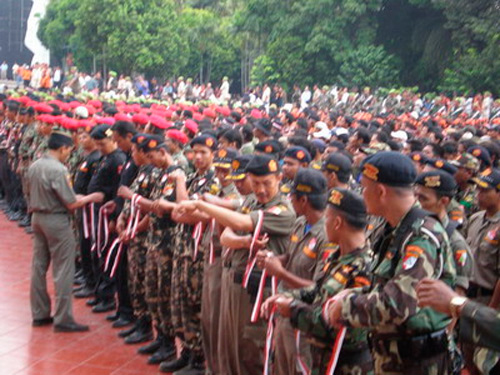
(3, 71)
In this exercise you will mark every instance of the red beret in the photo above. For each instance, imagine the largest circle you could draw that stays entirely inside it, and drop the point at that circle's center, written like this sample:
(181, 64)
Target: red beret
(197, 116)
(256, 114)
(140, 119)
(95, 103)
(178, 136)
(49, 119)
(24, 99)
(91, 110)
(224, 111)
(70, 123)
(43, 108)
(209, 112)
(191, 125)
(74, 104)
(106, 120)
(86, 124)
(122, 117)
(159, 122)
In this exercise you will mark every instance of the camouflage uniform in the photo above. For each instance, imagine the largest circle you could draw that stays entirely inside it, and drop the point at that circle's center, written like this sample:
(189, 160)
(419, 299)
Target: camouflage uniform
(483, 237)
(158, 267)
(339, 272)
(187, 277)
(241, 342)
(405, 338)
(212, 273)
(479, 325)
(304, 259)
(181, 161)
(137, 248)
(456, 213)
(468, 198)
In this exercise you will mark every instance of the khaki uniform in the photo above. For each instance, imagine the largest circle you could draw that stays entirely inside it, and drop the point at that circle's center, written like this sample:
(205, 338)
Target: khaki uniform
(50, 192)
(210, 296)
(241, 342)
(306, 243)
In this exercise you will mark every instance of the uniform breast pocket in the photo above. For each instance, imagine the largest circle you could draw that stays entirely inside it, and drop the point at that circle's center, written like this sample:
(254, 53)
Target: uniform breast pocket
(488, 253)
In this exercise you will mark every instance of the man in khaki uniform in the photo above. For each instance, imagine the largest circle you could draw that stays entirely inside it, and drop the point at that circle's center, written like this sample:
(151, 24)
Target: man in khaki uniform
(483, 237)
(241, 346)
(298, 268)
(51, 200)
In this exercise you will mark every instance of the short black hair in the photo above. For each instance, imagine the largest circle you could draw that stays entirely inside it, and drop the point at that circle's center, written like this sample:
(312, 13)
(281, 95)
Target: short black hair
(355, 221)
(233, 135)
(449, 147)
(246, 132)
(363, 134)
(124, 127)
(317, 201)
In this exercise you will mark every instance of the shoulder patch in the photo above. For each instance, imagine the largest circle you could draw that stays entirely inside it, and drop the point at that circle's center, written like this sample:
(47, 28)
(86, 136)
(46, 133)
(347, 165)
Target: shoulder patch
(412, 253)
(461, 257)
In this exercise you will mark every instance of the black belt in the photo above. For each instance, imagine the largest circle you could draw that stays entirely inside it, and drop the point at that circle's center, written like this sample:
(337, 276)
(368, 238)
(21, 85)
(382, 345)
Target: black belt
(253, 282)
(475, 291)
(412, 347)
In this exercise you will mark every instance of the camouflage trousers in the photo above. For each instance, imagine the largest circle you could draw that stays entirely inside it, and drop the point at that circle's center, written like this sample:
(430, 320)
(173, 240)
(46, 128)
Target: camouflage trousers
(350, 363)
(392, 364)
(136, 255)
(158, 279)
(186, 301)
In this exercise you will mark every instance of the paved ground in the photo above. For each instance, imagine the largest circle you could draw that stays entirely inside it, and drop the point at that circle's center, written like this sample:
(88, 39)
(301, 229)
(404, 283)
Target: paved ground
(40, 351)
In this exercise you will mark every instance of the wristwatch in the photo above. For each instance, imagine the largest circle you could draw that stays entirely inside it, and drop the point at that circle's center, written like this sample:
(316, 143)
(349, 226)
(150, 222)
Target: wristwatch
(456, 305)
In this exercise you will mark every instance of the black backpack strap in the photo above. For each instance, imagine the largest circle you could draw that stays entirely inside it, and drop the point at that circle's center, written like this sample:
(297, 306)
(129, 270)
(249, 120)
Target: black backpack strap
(450, 228)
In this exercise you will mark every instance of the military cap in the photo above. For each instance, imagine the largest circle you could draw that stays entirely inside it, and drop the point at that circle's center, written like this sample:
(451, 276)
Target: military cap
(101, 132)
(488, 179)
(139, 138)
(262, 165)
(150, 142)
(299, 153)
(337, 144)
(238, 167)
(319, 144)
(439, 180)
(310, 182)
(391, 168)
(224, 157)
(418, 157)
(443, 165)
(268, 147)
(467, 161)
(481, 153)
(338, 163)
(206, 140)
(59, 138)
(264, 125)
(347, 201)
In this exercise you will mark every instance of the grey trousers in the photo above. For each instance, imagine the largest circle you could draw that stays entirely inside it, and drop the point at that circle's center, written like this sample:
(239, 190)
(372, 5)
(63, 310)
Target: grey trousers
(53, 241)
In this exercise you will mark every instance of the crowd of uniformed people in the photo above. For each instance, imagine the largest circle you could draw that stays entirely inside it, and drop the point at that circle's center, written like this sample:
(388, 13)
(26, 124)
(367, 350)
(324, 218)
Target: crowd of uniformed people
(232, 240)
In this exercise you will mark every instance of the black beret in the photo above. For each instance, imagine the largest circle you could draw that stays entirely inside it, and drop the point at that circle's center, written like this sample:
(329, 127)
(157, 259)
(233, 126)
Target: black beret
(151, 142)
(391, 168)
(338, 163)
(269, 147)
(224, 157)
(418, 157)
(59, 138)
(481, 153)
(310, 182)
(206, 140)
(239, 166)
(139, 138)
(262, 165)
(442, 165)
(265, 126)
(101, 131)
(438, 180)
(299, 153)
(488, 179)
(347, 201)
(338, 144)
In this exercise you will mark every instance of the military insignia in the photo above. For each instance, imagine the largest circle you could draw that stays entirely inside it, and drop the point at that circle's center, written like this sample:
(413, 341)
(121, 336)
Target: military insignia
(68, 178)
(303, 188)
(268, 149)
(152, 143)
(276, 210)
(140, 139)
(316, 166)
(164, 178)
(336, 197)
(273, 166)
(119, 169)
(300, 155)
(209, 142)
(222, 153)
(202, 181)
(461, 257)
(371, 171)
(235, 164)
(476, 152)
(417, 157)
(109, 132)
(491, 237)
(312, 243)
(214, 189)
(141, 177)
(332, 167)
(294, 238)
(285, 189)
(412, 254)
(361, 281)
(168, 189)
(439, 164)
(340, 278)
(432, 181)
(83, 167)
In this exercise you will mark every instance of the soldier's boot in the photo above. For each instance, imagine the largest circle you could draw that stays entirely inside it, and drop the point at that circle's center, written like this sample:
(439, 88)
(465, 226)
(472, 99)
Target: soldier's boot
(165, 352)
(25, 221)
(196, 366)
(177, 363)
(153, 346)
(127, 332)
(143, 333)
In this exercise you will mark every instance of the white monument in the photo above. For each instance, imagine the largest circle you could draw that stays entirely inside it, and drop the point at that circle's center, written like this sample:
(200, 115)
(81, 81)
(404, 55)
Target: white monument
(40, 53)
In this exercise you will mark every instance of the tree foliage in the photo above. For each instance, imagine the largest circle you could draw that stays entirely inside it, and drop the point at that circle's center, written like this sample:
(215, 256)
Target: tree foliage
(450, 45)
